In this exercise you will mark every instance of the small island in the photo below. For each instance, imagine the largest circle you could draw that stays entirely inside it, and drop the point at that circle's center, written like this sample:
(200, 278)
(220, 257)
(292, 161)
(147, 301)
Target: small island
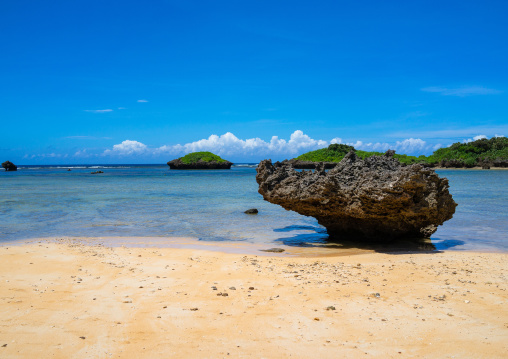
(480, 153)
(200, 161)
(9, 166)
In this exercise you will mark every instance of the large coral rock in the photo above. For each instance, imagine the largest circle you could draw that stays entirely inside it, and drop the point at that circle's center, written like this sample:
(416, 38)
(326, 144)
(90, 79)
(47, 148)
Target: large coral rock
(376, 198)
(309, 165)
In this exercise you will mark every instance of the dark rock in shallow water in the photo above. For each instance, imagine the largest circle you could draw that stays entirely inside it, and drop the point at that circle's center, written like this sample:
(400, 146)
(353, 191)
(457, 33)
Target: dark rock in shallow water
(273, 250)
(200, 165)
(9, 166)
(251, 211)
(96, 172)
(375, 199)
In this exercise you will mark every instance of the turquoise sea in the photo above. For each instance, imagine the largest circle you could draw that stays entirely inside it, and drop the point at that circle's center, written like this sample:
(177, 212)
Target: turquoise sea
(153, 201)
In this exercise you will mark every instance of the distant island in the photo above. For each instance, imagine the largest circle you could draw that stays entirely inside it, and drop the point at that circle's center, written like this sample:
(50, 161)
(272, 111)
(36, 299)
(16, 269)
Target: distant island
(480, 153)
(9, 166)
(200, 161)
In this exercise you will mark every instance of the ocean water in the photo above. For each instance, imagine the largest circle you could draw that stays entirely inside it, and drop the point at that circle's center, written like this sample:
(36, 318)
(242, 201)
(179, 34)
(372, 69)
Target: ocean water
(153, 201)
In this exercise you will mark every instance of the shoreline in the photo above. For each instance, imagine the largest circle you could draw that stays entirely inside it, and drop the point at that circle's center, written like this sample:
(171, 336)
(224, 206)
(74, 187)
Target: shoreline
(472, 168)
(76, 300)
(189, 243)
(310, 250)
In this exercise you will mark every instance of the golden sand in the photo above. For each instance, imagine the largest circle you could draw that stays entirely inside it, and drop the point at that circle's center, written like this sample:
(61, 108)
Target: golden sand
(71, 300)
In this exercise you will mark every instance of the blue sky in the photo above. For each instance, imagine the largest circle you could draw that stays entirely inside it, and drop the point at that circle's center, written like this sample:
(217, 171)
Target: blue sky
(145, 82)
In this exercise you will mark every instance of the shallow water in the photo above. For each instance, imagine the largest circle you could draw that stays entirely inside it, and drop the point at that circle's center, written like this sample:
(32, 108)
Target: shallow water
(152, 201)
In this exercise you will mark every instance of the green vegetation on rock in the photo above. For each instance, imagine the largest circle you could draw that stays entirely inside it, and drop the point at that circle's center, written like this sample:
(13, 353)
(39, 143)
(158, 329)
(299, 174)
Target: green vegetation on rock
(472, 153)
(195, 157)
(457, 155)
(333, 153)
(336, 152)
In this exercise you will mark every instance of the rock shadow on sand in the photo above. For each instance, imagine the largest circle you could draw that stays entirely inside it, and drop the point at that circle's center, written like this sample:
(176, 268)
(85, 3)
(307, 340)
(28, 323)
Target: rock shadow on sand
(317, 237)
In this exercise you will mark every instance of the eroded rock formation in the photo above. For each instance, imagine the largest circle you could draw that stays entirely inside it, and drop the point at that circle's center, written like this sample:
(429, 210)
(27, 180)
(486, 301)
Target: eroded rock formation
(376, 198)
(178, 164)
(9, 166)
(309, 165)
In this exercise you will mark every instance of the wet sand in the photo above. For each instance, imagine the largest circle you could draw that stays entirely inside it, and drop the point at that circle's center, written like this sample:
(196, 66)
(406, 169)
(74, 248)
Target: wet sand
(71, 299)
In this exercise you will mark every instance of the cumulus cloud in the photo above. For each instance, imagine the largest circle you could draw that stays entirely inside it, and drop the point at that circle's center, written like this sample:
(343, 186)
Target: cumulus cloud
(100, 111)
(407, 146)
(127, 148)
(142, 101)
(410, 145)
(475, 138)
(230, 145)
(462, 91)
(82, 153)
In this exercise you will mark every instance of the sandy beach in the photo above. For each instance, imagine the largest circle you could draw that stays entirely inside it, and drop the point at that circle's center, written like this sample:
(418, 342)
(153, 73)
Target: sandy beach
(75, 300)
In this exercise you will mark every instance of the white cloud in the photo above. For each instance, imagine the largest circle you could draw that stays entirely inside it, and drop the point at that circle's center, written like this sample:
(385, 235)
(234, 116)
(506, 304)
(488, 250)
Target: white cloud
(127, 148)
(462, 91)
(100, 111)
(82, 153)
(410, 145)
(142, 101)
(231, 146)
(457, 133)
(475, 138)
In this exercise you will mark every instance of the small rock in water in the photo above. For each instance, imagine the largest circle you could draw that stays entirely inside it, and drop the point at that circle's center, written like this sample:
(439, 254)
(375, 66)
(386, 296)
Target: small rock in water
(331, 307)
(251, 211)
(9, 166)
(273, 250)
(82, 337)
